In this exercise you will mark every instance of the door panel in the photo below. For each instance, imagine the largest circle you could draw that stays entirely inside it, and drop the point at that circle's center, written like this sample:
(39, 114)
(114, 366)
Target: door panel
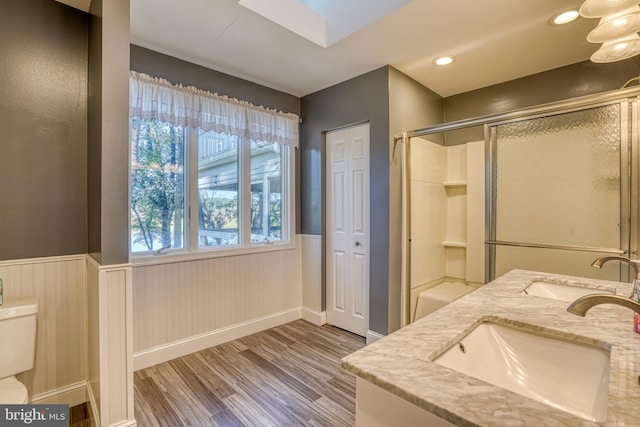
(339, 281)
(347, 222)
(360, 302)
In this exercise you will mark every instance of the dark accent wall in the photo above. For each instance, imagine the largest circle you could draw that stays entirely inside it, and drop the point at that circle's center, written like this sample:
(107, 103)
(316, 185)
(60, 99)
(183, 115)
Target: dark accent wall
(178, 71)
(361, 99)
(94, 135)
(583, 78)
(43, 117)
(109, 133)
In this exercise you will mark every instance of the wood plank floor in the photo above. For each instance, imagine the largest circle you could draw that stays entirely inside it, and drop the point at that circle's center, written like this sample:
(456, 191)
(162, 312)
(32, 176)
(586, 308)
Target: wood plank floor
(286, 376)
(79, 416)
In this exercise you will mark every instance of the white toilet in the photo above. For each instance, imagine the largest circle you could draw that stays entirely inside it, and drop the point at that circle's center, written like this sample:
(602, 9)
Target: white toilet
(18, 342)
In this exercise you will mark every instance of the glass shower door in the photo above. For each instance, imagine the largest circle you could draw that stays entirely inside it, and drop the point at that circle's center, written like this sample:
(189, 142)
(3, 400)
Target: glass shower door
(560, 192)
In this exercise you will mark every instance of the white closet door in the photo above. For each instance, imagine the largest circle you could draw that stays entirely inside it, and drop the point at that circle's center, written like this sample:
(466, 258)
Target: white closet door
(347, 199)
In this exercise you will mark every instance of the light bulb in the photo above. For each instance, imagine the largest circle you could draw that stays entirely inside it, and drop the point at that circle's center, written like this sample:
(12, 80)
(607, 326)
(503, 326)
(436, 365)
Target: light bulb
(619, 22)
(444, 60)
(565, 17)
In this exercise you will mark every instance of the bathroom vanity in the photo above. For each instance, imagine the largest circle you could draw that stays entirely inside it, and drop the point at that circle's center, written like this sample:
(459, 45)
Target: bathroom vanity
(506, 354)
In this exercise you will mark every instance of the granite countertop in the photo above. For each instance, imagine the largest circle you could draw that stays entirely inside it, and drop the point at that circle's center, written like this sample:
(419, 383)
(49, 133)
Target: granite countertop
(401, 362)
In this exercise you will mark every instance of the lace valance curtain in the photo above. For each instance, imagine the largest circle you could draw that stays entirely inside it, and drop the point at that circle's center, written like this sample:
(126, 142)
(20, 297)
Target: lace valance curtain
(153, 98)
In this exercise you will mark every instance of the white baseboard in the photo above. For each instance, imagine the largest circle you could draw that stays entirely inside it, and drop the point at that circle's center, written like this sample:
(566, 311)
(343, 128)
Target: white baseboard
(129, 423)
(72, 395)
(94, 414)
(318, 318)
(156, 355)
(373, 337)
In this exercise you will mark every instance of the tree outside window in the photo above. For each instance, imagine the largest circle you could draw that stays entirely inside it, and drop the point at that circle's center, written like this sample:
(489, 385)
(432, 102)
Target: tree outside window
(157, 185)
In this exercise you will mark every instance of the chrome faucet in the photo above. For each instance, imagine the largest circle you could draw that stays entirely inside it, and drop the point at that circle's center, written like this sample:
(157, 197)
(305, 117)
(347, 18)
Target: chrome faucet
(635, 264)
(584, 303)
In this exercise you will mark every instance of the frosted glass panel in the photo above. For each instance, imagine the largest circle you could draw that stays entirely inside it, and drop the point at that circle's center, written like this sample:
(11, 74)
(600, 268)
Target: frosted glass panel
(573, 263)
(557, 179)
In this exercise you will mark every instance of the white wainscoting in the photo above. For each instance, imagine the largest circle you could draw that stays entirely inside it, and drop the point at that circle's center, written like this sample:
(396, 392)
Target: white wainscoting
(58, 283)
(184, 307)
(311, 266)
(111, 345)
(93, 342)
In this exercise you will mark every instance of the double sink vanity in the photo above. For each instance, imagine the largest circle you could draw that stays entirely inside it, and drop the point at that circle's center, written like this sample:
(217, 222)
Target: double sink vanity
(507, 354)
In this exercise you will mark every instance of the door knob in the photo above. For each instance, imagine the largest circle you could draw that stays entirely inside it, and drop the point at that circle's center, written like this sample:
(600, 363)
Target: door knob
(357, 243)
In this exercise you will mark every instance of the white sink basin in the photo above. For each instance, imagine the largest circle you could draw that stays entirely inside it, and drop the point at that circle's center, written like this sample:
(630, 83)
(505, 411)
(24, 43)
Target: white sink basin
(567, 374)
(563, 291)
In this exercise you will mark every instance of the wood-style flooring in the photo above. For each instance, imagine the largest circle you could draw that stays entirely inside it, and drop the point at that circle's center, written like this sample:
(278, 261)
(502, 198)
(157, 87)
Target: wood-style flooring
(286, 376)
(79, 416)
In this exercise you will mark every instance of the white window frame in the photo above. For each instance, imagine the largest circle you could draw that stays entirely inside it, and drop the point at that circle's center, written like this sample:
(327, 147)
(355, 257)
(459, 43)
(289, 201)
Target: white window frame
(192, 250)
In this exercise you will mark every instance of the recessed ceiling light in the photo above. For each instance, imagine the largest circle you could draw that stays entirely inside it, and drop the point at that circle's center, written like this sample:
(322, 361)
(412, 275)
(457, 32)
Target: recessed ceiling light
(443, 60)
(563, 17)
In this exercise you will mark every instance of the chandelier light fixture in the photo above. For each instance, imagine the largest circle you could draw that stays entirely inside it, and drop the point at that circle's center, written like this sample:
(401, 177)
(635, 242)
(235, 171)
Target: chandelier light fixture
(617, 31)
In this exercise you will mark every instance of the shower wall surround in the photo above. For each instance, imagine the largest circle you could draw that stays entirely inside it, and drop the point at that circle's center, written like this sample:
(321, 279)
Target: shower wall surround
(447, 215)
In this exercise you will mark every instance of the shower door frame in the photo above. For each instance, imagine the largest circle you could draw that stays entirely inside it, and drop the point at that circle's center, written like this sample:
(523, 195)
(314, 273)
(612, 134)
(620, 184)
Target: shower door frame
(629, 95)
(629, 183)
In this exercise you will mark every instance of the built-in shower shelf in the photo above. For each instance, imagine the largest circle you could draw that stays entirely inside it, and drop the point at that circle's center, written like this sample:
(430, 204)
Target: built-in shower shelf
(451, 184)
(453, 244)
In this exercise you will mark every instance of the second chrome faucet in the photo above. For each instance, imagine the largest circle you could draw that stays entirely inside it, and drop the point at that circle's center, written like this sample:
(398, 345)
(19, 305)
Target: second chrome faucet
(584, 303)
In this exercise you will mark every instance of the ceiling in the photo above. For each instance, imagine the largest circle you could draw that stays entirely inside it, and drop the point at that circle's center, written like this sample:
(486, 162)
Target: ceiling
(493, 40)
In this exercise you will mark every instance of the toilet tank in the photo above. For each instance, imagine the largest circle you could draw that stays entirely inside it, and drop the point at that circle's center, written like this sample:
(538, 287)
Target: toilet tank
(17, 336)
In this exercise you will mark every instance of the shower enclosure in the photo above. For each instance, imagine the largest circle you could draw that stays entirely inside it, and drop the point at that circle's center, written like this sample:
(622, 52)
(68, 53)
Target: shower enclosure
(560, 189)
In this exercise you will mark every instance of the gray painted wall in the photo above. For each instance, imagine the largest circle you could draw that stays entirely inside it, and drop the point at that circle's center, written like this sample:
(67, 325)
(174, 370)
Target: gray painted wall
(108, 137)
(94, 135)
(114, 188)
(361, 99)
(178, 71)
(583, 78)
(43, 117)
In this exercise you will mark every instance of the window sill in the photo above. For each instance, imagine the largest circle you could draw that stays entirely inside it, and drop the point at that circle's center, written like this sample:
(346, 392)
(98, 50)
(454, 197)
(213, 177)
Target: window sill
(171, 258)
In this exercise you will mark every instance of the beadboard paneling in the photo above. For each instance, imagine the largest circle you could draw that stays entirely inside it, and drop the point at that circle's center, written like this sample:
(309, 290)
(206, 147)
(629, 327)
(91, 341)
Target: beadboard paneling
(176, 301)
(110, 356)
(58, 283)
(93, 346)
(311, 268)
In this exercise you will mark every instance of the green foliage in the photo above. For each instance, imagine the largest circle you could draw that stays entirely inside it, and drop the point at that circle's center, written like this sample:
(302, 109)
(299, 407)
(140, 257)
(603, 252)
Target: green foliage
(157, 183)
(217, 212)
(275, 217)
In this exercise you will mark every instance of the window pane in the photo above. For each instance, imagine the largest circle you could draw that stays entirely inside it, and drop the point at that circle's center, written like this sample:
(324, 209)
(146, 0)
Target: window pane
(217, 189)
(266, 191)
(157, 185)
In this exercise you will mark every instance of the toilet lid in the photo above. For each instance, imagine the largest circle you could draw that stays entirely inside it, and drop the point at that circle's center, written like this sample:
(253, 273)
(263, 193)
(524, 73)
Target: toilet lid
(12, 392)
